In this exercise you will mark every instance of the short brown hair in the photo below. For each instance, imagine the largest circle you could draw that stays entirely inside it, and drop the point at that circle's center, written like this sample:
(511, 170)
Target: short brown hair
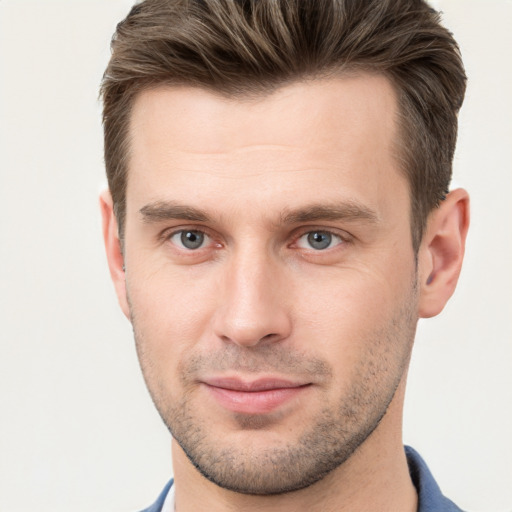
(238, 47)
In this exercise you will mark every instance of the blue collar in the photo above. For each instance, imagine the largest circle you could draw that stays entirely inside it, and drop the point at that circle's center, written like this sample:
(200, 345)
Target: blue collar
(430, 497)
(159, 503)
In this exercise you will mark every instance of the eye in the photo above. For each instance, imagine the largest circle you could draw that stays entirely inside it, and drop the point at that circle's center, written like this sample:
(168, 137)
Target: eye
(319, 240)
(190, 239)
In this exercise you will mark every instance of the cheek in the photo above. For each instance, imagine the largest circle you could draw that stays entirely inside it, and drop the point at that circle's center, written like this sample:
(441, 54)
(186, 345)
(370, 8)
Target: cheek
(170, 313)
(357, 320)
(344, 300)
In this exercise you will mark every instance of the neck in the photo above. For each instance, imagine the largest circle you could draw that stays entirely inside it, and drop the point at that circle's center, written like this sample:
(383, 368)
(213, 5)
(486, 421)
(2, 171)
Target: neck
(375, 477)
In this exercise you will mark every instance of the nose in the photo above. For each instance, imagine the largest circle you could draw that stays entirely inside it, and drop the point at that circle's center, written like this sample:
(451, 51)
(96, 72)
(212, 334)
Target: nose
(252, 302)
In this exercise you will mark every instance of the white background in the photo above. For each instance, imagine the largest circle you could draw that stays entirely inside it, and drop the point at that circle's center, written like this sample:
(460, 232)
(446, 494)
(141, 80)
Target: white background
(77, 428)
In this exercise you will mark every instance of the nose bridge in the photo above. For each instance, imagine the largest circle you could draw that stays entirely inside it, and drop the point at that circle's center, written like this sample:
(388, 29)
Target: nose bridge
(253, 307)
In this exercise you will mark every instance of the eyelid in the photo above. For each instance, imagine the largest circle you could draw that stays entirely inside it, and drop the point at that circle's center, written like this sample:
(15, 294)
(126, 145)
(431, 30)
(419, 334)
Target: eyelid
(343, 235)
(215, 239)
(167, 234)
(176, 239)
(334, 241)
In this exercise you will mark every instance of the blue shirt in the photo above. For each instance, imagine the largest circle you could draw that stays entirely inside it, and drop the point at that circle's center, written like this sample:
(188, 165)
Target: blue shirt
(430, 498)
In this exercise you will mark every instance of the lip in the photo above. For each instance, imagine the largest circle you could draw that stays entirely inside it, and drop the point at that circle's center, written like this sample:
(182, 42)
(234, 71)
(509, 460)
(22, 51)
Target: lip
(258, 396)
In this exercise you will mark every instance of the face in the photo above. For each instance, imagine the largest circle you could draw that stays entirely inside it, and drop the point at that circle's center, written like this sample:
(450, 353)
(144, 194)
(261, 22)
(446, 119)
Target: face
(270, 276)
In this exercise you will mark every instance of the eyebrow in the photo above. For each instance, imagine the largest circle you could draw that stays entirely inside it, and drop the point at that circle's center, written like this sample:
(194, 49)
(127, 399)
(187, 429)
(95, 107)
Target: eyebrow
(348, 211)
(169, 210)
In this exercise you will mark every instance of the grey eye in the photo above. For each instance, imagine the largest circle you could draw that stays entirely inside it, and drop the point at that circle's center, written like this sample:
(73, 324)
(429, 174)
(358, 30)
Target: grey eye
(319, 240)
(189, 239)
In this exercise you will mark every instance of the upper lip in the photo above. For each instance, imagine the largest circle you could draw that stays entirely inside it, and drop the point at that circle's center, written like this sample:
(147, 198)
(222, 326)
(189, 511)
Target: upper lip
(261, 384)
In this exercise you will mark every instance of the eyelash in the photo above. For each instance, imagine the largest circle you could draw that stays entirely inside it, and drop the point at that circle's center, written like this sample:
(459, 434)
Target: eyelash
(342, 238)
(330, 233)
(167, 236)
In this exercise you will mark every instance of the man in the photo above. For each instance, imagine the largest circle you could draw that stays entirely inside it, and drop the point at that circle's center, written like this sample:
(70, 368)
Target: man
(278, 219)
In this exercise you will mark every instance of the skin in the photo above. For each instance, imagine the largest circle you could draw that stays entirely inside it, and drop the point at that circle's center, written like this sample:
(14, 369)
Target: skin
(257, 300)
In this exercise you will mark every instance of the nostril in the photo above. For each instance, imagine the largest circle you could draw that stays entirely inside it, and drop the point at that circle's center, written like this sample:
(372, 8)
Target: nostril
(251, 340)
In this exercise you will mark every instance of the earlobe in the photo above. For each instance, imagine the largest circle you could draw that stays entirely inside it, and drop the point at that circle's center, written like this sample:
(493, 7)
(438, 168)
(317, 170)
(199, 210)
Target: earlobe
(442, 251)
(113, 250)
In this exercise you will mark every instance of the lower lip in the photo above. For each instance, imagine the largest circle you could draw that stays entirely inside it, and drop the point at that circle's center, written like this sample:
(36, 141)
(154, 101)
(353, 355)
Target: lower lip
(254, 402)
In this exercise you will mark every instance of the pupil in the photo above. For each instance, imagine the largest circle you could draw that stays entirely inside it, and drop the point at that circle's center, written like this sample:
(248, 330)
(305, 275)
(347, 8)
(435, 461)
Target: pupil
(319, 240)
(192, 239)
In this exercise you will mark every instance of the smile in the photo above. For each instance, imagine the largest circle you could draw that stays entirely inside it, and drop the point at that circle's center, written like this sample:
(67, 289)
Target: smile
(256, 397)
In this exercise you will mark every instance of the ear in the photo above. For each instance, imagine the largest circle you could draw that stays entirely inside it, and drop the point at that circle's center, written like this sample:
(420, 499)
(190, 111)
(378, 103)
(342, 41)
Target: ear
(113, 248)
(442, 251)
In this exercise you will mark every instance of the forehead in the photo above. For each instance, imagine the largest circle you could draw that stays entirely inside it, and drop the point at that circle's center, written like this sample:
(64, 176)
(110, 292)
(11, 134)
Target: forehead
(320, 138)
(338, 107)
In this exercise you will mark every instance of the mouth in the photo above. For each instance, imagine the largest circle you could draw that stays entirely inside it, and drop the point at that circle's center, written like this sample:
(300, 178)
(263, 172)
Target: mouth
(258, 396)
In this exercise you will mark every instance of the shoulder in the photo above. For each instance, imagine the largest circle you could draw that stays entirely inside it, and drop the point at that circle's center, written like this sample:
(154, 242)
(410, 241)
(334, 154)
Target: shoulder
(157, 506)
(430, 497)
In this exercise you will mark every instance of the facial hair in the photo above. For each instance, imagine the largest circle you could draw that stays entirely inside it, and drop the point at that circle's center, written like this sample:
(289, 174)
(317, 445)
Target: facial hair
(324, 444)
